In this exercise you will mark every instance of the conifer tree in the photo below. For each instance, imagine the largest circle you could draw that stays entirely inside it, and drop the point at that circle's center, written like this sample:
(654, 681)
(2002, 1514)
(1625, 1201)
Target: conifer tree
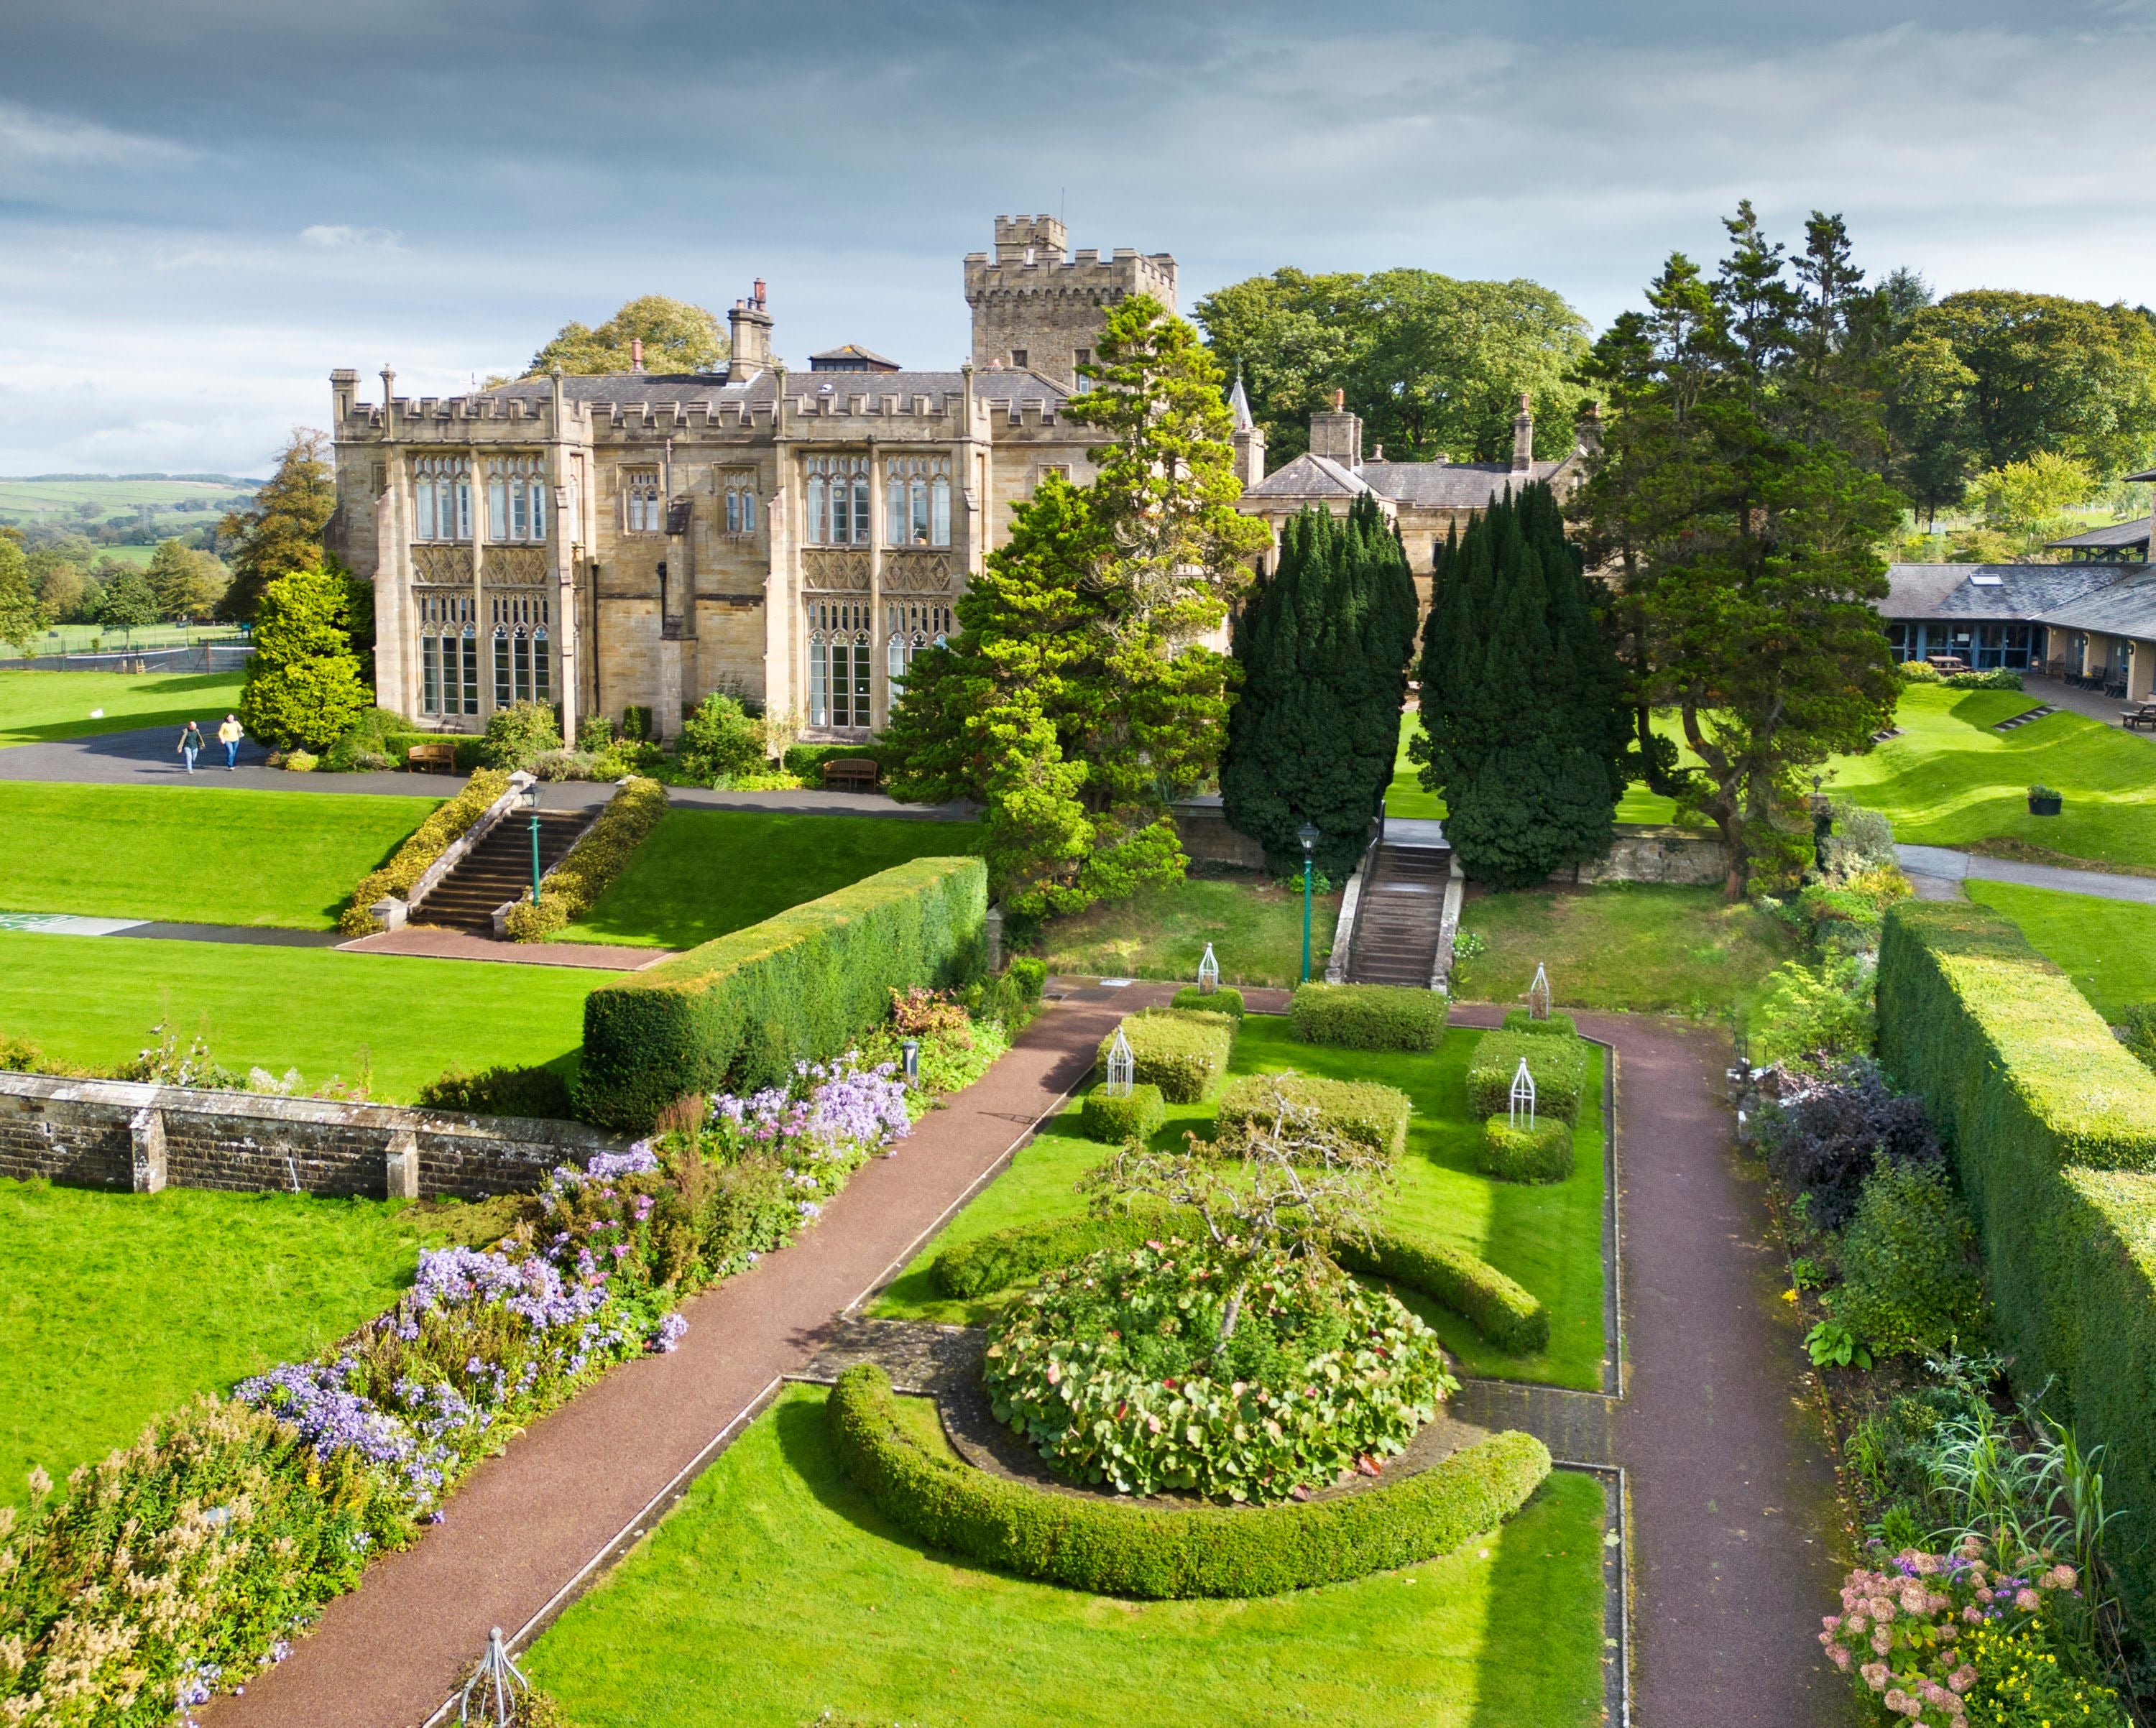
(1324, 647)
(1524, 727)
(283, 532)
(303, 680)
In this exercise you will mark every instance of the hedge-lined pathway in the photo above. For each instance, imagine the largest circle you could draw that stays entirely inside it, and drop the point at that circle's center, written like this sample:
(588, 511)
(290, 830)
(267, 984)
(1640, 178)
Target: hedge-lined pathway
(526, 1523)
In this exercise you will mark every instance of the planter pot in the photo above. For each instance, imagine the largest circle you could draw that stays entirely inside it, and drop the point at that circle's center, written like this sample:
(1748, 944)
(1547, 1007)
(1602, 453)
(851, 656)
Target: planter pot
(2044, 807)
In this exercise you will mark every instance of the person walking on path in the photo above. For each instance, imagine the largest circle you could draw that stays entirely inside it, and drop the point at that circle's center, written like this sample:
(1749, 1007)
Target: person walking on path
(230, 734)
(191, 744)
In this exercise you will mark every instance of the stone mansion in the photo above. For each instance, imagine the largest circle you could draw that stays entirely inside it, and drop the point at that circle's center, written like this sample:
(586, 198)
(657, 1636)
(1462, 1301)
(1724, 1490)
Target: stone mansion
(634, 540)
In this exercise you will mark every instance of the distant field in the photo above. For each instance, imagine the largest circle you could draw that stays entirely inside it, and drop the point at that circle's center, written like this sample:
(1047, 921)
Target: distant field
(55, 497)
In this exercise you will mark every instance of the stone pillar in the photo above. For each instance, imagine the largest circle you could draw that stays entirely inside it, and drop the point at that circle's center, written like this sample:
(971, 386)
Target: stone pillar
(995, 934)
(401, 1166)
(146, 1132)
(396, 632)
(1524, 435)
(480, 623)
(879, 675)
(563, 534)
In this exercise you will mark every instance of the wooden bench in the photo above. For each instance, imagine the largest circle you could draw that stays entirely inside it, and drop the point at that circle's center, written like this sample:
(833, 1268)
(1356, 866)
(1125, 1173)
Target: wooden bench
(852, 773)
(432, 758)
(2135, 719)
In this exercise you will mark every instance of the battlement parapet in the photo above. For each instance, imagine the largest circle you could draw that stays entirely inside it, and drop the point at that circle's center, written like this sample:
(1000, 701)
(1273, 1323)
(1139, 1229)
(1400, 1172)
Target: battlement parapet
(887, 405)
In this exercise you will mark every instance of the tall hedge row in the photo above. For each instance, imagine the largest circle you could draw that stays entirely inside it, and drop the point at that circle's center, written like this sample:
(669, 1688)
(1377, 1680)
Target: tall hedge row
(803, 985)
(2053, 1126)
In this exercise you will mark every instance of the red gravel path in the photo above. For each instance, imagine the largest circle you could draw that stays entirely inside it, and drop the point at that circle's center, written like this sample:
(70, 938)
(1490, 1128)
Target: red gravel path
(525, 1522)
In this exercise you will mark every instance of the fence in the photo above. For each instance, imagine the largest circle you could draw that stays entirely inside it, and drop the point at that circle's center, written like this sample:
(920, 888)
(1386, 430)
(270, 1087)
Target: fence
(195, 656)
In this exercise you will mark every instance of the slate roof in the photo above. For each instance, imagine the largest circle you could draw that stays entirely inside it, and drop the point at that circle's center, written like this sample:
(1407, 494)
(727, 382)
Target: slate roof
(2125, 606)
(664, 389)
(2022, 593)
(837, 359)
(1310, 476)
(1449, 485)
(2118, 534)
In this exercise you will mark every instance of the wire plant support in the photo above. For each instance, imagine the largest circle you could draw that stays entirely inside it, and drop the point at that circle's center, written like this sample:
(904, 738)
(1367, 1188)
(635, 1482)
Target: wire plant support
(1122, 1067)
(1538, 995)
(1523, 1099)
(496, 1680)
(1209, 973)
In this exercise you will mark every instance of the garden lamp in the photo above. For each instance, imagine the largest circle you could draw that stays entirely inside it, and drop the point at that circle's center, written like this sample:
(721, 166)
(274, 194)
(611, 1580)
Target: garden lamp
(1209, 973)
(531, 798)
(910, 1048)
(1307, 834)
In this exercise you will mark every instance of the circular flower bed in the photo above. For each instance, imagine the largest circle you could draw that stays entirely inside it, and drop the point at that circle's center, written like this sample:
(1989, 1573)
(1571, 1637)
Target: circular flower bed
(1116, 1370)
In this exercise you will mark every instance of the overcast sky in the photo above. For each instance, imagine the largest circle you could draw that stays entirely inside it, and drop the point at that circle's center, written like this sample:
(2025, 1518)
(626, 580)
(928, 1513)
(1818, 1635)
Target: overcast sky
(205, 205)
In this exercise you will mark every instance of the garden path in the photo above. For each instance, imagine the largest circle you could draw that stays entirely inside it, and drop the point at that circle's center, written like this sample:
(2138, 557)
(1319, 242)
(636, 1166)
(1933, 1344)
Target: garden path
(1941, 864)
(530, 1526)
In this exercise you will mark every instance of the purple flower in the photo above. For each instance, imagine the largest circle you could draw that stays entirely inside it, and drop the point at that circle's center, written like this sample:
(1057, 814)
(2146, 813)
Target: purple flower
(667, 1335)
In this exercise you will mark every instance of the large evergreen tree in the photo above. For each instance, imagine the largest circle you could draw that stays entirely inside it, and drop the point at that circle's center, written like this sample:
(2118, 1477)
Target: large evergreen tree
(303, 680)
(1324, 645)
(1524, 725)
(283, 532)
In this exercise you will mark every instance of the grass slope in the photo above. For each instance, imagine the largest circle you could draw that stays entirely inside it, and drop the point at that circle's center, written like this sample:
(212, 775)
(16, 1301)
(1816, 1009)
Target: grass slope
(2109, 947)
(114, 1307)
(90, 1001)
(704, 873)
(37, 707)
(1255, 928)
(1548, 1238)
(194, 854)
(775, 1592)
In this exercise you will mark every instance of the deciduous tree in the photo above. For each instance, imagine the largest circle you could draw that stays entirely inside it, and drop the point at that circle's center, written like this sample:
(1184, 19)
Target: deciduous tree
(185, 583)
(677, 337)
(127, 602)
(23, 616)
(283, 532)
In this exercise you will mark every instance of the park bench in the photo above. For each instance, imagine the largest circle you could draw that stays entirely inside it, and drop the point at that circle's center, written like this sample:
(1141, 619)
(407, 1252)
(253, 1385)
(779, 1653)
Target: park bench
(432, 758)
(2142, 717)
(852, 773)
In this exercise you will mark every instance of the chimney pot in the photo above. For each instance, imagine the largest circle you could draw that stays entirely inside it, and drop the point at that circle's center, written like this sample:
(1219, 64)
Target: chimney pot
(1339, 401)
(759, 290)
(636, 354)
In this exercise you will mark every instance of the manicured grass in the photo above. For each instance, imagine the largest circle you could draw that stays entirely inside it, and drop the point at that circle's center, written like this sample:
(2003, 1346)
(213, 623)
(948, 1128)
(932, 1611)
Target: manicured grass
(2108, 946)
(1638, 947)
(703, 873)
(1255, 928)
(115, 1307)
(1405, 795)
(1549, 1238)
(193, 853)
(1950, 780)
(36, 707)
(775, 1592)
(90, 1001)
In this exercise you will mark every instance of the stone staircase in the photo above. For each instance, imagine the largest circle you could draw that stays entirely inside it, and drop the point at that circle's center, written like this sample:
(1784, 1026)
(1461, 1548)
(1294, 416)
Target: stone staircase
(1402, 909)
(499, 869)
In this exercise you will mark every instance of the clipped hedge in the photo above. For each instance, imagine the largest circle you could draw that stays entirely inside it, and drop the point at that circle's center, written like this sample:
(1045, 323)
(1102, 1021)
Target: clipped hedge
(1179, 1051)
(573, 886)
(470, 751)
(1360, 1111)
(442, 829)
(1112, 1548)
(741, 1010)
(2053, 1128)
(1222, 999)
(806, 761)
(1367, 1016)
(1557, 1026)
(1558, 1066)
(1132, 1117)
(1539, 1154)
(1505, 1312)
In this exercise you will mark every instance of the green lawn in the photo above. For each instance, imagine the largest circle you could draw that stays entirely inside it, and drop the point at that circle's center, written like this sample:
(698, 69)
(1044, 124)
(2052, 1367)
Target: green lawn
(775, 1592)
(36, 707)
(1635, 947)
(1549, 1238)
(90, 1001)
(2109, 947)
(1405, 795)
(115, 1307)
(703, 873)
(1254, 926)
(195, 853)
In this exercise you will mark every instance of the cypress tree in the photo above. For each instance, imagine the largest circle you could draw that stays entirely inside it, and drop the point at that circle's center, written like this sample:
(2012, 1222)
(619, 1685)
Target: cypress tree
(1323, 646)
(1525, 730)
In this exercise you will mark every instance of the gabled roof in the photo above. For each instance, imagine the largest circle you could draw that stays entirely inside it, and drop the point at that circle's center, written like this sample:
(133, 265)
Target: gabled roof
(852, 354)
(1449, 485)
(1310, 476)
(2125, 606)
(2118, 534)
(2015, 593)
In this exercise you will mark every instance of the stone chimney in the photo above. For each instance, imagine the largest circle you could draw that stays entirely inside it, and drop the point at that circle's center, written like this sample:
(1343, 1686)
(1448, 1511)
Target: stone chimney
(1339, 434)
(749, 327)
(1524, 435)
(636, 354)
(1589, 433)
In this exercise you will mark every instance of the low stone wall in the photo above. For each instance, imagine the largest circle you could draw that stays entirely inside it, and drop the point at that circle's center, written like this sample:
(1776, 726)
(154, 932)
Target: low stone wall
(129, 1135)
(1201, 825)
(1654, 853)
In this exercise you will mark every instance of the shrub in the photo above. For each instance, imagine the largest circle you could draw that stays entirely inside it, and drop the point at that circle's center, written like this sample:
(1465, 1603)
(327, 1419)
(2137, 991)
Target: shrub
(720, 739)
(364, 748)
(2001, 680)
(1007, 1257)
(442, 829)
(469, 753)
(1503, 1311)
(1918, 672)
(1862, 840)
(2137, 1031)
(1821, 1013)
(1133, 1116)
(300, 761)
(1542, 1153)
(1029, 976)
(304, 688)
(804, 984)
(1108, 1548)
(500, 1091)
(589, 868)
(807, 761)
(2052, 1127)
(1180, 1052)
(1362, 1111)
(1556, 1065)
(1223, 999)
(1908, 1281)
(519, 734)
(1557, 1026)
(1367, 1016)
(1824, 1136)
(951, 1058)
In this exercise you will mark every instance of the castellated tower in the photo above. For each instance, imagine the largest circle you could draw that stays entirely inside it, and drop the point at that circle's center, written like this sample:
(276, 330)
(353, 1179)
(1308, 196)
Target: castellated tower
(1039, 307)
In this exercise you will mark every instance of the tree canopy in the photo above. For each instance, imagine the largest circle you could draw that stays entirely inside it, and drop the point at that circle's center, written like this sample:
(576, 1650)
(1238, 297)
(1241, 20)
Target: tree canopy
(283, 532)
(184, 582)
(677, 337)
(303, 688)
(1434, 366)
(23, 616)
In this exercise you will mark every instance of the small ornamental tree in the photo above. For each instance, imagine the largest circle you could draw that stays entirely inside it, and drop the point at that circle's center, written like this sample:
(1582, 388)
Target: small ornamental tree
(303, 688)
(1323, 646)
(1524, 730)
(283, 532)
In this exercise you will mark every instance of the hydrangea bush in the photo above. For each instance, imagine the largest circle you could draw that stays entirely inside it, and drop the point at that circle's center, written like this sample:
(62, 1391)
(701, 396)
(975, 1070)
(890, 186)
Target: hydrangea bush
(1173, 1366)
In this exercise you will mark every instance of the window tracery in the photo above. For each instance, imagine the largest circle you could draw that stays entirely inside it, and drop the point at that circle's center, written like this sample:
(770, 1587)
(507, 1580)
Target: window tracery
(838, 488)
(448, 653)
(840, 650)
(441, 498)
(916, 499)
(516, 498)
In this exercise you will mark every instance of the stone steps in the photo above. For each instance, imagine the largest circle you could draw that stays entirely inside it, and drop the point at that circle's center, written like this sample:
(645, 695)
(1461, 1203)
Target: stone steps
(1400, 915)
(499, 869)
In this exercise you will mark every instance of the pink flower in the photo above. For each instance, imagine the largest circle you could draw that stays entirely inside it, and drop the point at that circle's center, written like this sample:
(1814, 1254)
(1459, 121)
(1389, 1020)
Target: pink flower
(1961, 1679)
(1842, 1658)
(1875, 1675)
(2027, 1601)
(1882, 1609)
(1974, 1616)
(1882, 1640)
(2063, 1576)
(1832, 1622)
(1857, 1622)
(1896, 1700)
(1926, 1565)
(1984, 1593)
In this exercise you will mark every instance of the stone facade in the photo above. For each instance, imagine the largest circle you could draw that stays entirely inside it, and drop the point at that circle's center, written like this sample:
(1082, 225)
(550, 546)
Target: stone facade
(635, 541)
(127, 1135)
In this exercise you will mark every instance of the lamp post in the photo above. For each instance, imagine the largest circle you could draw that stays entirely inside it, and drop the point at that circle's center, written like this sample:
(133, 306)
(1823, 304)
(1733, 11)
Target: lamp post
(1308, 835)
(532, 793)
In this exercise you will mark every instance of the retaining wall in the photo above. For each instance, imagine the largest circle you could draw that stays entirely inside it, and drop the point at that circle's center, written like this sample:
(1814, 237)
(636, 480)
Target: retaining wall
(1657, 852)
(127, 1135)
(1201, 825)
